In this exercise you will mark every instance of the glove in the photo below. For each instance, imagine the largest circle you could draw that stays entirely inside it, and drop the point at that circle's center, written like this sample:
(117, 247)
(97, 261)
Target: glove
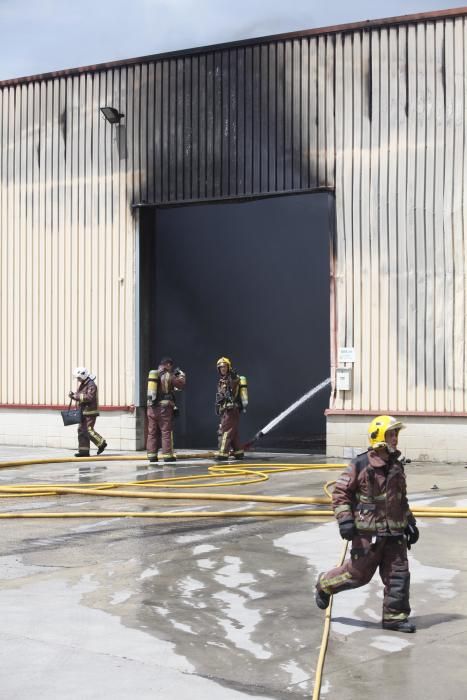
(71, 395)
(347, 529)
(412, 534)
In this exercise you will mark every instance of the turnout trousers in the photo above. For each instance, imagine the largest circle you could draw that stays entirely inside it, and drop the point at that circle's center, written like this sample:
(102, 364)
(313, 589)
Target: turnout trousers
(160, 431)
(229, 437)
(87, 434)
(389, 554)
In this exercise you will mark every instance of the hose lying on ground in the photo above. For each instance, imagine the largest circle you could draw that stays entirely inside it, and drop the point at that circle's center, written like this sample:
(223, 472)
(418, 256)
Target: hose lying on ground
(252, 473)
(225, 476)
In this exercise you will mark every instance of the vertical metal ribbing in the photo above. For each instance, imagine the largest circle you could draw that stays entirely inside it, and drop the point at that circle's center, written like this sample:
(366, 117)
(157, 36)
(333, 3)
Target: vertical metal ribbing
(378, 114)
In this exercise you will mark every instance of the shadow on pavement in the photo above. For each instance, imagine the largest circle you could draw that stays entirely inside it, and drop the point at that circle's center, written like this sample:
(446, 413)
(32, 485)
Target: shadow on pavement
(427, 621)
(421, 621)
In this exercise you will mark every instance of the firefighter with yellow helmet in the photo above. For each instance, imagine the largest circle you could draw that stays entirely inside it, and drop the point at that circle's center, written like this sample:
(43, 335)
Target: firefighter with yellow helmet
(231, 399)
(372, 511)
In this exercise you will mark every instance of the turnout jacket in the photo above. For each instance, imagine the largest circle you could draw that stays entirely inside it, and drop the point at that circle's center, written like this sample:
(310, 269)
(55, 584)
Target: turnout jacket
(372, 492)
(228, 389)
(87, 397)
(162, 386)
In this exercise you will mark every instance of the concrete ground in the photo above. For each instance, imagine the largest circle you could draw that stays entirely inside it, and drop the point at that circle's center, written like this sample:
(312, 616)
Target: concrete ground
(217, 609)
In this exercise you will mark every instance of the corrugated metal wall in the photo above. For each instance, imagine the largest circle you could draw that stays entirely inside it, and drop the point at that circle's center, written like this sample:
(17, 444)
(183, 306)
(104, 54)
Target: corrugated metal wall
(377, 113)
(401, 163)
(66, 241)
(241, 121)
(225, 123)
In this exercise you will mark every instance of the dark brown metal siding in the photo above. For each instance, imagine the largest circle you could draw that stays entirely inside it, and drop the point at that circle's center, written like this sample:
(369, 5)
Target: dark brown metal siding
(235, 122)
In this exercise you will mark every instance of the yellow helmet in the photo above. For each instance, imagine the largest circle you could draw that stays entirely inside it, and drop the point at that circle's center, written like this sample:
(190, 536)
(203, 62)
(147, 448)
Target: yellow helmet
(224, 361)
(378, 427)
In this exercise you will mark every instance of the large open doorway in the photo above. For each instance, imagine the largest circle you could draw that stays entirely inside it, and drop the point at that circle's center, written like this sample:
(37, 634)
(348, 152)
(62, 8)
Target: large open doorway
(249, 280)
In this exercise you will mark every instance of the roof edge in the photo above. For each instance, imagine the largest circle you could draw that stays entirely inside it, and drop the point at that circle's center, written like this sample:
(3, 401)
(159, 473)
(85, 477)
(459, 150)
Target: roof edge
(332, 29)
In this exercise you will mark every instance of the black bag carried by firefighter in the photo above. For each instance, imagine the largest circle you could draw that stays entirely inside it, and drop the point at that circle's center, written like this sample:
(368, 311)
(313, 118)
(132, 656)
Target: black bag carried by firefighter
(71, 416)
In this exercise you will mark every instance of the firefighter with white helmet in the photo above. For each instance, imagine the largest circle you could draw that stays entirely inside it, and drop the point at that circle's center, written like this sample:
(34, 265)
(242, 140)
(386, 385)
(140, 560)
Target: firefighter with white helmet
(231, 399)
(372, 511)
(87, 398)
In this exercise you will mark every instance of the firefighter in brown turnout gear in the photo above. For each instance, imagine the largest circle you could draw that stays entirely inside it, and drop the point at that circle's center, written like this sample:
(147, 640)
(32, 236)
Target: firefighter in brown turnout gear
(86, 397)
(163, 382)
(231, 398)
(371, 507)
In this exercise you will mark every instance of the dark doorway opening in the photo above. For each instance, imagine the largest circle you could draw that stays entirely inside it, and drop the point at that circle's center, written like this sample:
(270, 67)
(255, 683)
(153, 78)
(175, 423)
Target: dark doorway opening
(249, 280)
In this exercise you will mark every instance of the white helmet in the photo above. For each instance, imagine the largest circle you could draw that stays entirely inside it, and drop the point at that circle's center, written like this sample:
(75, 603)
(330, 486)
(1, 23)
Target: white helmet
(81, 373)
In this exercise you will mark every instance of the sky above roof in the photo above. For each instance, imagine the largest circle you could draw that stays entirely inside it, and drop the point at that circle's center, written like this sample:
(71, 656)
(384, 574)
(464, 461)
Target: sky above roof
(39, 36)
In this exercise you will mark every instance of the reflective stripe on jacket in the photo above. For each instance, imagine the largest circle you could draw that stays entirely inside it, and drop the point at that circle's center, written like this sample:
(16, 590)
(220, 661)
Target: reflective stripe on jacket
(228, 392)
(373, 493)
(87, 397)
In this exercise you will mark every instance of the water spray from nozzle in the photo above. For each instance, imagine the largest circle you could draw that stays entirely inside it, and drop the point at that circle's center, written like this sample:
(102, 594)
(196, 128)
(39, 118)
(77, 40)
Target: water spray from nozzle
(293, 407)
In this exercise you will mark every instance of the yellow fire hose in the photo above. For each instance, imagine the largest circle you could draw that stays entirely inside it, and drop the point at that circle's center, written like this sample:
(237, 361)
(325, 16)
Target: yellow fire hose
(251, 473)
(169, 514)
(325, 638)
(107, 458)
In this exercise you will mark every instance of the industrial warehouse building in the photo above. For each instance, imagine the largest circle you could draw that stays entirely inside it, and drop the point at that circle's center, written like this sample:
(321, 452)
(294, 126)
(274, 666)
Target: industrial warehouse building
(296, 202)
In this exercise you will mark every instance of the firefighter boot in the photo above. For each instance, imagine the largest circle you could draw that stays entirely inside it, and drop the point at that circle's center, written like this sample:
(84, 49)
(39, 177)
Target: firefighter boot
(239, 454)
(101, 448)
(399, 626)
(219, 457)
(82, 453)
(321, 598)
(169, 458)
(152, 457)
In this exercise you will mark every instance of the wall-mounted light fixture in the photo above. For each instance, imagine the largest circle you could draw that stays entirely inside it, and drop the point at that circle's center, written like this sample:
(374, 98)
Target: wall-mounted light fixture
(112, 115)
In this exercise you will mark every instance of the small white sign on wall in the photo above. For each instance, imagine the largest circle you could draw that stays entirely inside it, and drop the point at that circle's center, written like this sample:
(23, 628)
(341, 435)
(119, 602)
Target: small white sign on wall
(343, 378)
(346, 355)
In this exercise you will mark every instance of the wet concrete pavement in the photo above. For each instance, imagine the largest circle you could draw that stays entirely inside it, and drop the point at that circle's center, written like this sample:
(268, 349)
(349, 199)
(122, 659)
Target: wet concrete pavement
(216, 608)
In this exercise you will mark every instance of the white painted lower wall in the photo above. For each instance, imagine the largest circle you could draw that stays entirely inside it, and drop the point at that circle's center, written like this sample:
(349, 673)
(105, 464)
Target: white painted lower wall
(123, 430)
(425, 438)
(437, 439)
